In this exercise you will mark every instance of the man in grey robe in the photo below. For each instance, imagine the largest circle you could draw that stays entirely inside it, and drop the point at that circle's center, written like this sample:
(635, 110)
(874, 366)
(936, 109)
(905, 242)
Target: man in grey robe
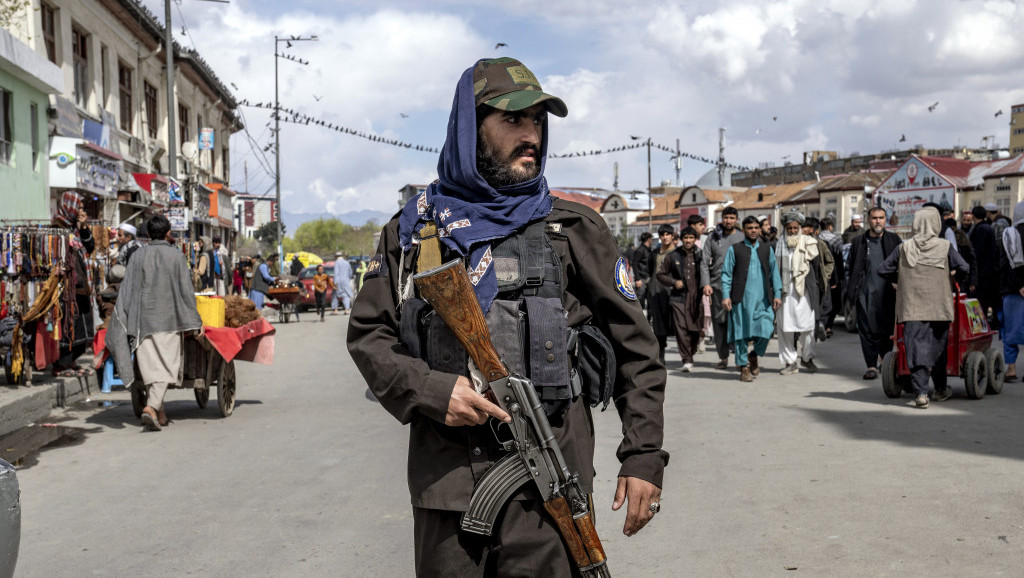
(921, 269)
(155, 305)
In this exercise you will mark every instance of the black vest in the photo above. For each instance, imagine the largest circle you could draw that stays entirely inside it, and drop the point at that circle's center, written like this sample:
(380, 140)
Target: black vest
(739, 272)
(527, 321)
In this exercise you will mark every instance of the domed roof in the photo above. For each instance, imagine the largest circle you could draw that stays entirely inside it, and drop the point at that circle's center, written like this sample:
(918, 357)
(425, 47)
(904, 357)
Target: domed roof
(710, 178)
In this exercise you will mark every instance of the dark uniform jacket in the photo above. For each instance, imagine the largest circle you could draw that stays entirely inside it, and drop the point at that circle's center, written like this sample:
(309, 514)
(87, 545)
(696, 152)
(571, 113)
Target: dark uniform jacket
(445, 462)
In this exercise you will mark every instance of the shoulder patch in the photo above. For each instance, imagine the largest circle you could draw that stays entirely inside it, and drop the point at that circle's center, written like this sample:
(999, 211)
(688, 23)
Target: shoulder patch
(623, 282)
(377, 267)
(555, 228)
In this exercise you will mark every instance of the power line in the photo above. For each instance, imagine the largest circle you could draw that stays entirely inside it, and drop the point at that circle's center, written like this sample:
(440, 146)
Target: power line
(295, 117)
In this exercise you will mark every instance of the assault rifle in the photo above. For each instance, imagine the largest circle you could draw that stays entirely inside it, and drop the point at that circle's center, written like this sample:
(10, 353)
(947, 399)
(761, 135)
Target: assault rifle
(533, 451)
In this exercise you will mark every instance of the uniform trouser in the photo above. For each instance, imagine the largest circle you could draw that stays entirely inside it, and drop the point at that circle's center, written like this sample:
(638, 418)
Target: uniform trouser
(721, 328)
(872, 345)
(686, 340)
(741, 348)
(790, 342)
(525, 544)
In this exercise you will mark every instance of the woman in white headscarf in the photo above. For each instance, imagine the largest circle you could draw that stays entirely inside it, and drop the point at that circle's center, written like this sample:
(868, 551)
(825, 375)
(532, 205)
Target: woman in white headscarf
(924, 302)
(1011, 284)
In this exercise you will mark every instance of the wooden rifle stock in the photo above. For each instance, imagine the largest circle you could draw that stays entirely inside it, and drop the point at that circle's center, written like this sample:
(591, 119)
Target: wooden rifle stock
(449, 291)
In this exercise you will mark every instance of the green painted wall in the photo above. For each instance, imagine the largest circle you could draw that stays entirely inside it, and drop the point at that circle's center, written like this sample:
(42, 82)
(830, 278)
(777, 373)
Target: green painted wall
(23, 190)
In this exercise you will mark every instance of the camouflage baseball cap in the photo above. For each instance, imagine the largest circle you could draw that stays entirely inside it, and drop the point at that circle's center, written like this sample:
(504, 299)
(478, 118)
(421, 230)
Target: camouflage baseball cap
(505, 84)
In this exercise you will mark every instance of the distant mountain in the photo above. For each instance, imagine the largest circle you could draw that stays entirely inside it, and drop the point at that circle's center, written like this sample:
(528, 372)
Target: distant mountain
(354, 218)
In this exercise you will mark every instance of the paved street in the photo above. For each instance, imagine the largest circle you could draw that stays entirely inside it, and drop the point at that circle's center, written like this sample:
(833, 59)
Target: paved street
(816, 475)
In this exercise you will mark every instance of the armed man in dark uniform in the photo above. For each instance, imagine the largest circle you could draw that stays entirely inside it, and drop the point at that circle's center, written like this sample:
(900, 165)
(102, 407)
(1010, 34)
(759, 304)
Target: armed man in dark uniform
(561, 310)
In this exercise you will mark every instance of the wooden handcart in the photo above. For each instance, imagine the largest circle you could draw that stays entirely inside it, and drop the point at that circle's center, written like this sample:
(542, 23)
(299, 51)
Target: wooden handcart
(287, 298)
(209, 362)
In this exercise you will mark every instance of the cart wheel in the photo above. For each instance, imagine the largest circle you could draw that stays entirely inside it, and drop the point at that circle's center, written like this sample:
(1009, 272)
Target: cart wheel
(139, 398)
(890, 381)
(202, 395)
(996, 370)
(226, 389)
(975, 375)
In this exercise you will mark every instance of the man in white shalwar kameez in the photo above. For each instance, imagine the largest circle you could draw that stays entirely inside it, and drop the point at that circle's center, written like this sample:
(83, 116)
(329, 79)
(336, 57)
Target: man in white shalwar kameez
(797, 255)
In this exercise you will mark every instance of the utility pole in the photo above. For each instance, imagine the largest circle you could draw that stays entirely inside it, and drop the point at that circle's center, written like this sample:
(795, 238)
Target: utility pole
(615, 184)
(277, 137)
(650, 204)
(678, 161)
(172, 152)
(721, 156)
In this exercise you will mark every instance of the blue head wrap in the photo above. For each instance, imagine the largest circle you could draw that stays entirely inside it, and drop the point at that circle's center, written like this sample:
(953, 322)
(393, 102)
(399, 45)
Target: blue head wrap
(468, 211)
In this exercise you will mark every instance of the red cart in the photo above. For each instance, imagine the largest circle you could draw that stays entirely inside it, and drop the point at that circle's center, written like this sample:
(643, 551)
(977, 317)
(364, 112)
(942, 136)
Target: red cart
(969, 353)
(209, 362)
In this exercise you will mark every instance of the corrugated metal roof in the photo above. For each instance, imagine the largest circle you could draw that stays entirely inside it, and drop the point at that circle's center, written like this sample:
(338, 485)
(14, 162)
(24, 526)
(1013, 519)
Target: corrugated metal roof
(592, 201)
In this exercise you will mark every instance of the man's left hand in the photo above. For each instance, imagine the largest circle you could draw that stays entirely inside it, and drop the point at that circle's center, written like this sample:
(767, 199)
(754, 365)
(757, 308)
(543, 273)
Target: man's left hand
(639, 494)
(776, 303)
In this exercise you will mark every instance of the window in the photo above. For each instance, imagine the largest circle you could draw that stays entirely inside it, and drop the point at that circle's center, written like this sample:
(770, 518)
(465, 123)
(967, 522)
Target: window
(105, 75)
(6, 138)
(50, 31)
(1004, 204)
(34, 119)
(151, 108)
(183, 124)
(1002, 188)
(80, 51)
(124, 89)
(224, 167)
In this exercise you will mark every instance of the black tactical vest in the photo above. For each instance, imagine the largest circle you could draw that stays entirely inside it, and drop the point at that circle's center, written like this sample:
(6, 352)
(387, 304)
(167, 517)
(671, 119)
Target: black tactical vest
(527, 321)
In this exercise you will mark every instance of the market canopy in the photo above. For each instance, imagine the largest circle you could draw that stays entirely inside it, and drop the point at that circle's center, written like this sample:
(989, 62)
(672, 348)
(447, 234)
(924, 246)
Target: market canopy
(307, 259)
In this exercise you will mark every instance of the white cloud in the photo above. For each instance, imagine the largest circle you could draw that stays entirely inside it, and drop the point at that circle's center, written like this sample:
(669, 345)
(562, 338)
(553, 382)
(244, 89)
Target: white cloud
(782, 76)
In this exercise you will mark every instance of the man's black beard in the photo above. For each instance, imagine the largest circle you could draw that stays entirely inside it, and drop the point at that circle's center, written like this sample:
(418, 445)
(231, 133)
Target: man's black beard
(500, 173)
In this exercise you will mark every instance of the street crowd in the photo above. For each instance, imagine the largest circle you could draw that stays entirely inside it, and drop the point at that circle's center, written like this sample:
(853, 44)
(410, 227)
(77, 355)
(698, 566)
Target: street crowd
(741, 283)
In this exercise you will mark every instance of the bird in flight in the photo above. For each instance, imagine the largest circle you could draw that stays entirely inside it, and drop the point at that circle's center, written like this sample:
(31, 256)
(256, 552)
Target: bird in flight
(775, 118)
(932, 107)
(999, 112)
(499, 45)
(903, 138)
(403, 115)
(288, 43)
(317, 98)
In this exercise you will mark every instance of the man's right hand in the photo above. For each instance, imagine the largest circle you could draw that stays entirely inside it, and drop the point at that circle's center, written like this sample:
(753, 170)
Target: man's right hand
(708, 291)
(467, 407)
(639, 283)
(727, 304)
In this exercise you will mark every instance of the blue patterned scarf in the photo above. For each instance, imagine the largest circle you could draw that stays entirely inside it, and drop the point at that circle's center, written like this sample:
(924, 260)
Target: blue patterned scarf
(469, 212)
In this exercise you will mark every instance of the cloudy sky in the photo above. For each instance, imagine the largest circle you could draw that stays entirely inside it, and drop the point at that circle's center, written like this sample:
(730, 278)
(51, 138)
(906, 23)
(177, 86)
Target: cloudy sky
(781, 76)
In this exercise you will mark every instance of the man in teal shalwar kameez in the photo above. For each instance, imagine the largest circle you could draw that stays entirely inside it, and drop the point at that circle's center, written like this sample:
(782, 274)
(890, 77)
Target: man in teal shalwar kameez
(752, 289)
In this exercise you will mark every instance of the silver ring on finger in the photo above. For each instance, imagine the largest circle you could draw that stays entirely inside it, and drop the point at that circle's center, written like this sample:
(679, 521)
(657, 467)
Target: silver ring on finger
(655, 507)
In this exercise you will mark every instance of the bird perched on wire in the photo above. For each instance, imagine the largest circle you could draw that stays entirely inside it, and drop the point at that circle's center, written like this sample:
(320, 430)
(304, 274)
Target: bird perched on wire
(932, 107)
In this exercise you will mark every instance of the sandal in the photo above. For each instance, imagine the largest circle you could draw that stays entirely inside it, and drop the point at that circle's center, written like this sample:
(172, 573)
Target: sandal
(65, 373)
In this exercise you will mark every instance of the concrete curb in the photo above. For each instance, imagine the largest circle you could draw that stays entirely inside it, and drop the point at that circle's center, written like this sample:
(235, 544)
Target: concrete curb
(22, 405)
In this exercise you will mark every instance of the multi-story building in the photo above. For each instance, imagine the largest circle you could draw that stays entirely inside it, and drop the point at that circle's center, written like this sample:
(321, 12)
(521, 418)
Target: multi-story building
(1017, 129)
(26, 80)
(110, 124)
